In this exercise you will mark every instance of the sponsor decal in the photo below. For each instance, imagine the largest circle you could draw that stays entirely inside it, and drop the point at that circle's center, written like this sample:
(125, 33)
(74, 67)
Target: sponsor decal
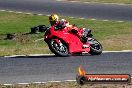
(83, 78)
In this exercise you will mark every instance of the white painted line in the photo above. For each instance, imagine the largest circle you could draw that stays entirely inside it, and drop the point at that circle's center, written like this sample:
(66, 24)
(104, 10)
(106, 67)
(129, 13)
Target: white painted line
(117, 51)
(40, 54)
(86, 2)
(15, 55)
(120, 21)
(109, 3)
(49, 15)
(121, 4)
(92, 2)
(70, 80)
(72, 17)
(40, 14)
(28, 55)
(39, 82)
(82, 18)
(28, 13)
(18, 12)
(54, 81)
(92, 19)
(3, 10)
(10, 11)
(54, 54)
(43, 82)
(23, 83)
(7, 84)
(127, 50)
(105, 20)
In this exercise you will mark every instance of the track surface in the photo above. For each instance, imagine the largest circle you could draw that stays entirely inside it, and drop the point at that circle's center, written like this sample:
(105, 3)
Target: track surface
(99, 11)
(48, 68)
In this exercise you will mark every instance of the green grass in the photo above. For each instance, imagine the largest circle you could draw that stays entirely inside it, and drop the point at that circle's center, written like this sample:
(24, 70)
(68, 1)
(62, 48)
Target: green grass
(23, 44)
(107, 1)
(14, 23)
(113, 35)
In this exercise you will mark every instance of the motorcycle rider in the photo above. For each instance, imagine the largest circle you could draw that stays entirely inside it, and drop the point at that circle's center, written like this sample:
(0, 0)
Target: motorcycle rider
(60, 24)
(55, 20)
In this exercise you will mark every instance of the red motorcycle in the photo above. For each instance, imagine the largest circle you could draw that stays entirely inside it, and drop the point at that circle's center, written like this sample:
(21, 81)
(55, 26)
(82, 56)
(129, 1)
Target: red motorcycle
(63, 43)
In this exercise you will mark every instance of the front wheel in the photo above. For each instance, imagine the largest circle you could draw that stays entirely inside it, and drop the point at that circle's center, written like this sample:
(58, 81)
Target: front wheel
(95, 47)
(58, 47)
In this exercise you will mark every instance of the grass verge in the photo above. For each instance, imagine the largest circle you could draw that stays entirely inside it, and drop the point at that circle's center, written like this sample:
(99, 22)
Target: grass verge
(107, 1)
(113, 35)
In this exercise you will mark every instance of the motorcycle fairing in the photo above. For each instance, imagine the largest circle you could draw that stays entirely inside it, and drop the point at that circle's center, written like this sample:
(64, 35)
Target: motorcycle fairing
(73, 42)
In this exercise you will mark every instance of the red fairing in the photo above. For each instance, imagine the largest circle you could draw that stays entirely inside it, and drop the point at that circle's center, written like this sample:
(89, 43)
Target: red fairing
(73, 42)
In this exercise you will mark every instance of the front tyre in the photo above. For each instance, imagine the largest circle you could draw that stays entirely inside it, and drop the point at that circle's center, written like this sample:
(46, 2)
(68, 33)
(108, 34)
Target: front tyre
(58, 47)
(95, 47)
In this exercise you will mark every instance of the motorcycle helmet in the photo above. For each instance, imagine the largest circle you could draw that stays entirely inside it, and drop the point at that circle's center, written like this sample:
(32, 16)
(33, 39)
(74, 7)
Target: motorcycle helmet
(53, 19)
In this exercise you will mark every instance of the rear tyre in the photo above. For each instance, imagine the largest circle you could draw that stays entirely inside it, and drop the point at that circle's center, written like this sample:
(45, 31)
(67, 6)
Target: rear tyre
(58, 48)
(95, 47)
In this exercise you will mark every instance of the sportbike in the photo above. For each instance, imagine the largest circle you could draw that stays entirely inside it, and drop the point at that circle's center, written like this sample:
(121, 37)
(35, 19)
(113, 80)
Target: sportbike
(63, 43)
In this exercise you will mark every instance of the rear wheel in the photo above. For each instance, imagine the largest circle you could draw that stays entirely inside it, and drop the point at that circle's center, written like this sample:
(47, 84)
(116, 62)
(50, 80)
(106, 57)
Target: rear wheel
(95, 47)
(58, 47)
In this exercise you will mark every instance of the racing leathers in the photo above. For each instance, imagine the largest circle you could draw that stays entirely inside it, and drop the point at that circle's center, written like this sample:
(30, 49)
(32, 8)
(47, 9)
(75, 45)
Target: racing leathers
(69, 28)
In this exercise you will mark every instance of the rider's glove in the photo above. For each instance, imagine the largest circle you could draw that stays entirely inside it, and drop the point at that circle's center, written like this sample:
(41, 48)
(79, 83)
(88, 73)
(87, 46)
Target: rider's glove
(74, 31)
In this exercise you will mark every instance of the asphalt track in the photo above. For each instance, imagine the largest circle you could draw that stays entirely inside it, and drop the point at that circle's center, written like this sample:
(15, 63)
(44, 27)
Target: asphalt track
(86, 10)
(51, 68)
